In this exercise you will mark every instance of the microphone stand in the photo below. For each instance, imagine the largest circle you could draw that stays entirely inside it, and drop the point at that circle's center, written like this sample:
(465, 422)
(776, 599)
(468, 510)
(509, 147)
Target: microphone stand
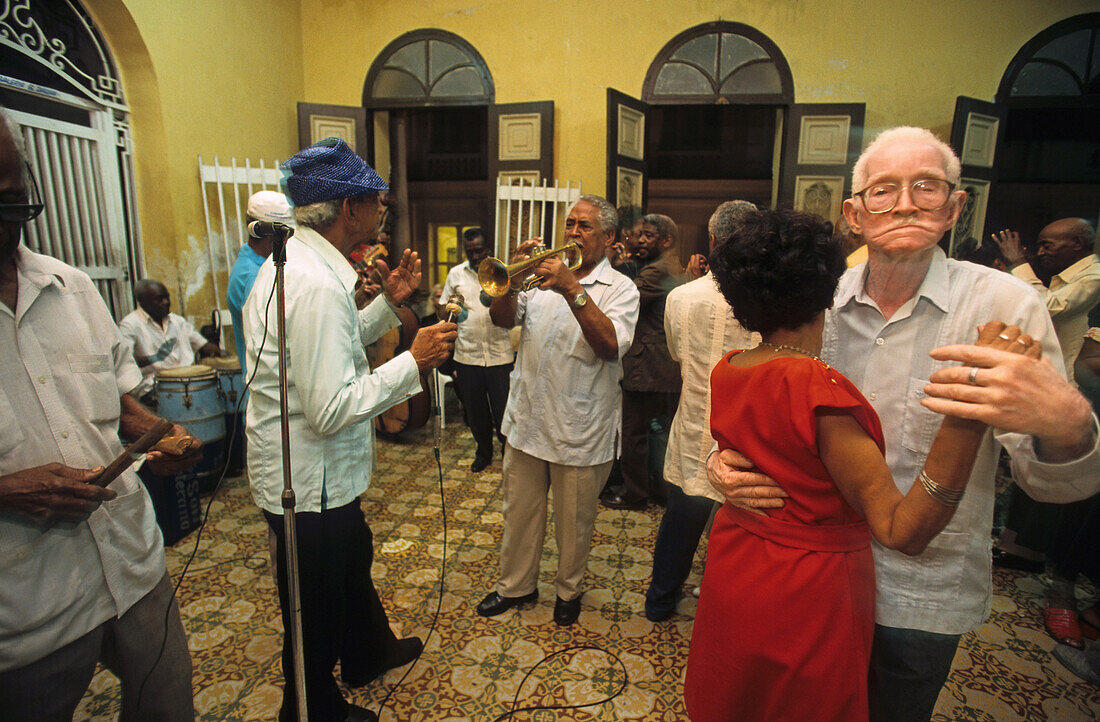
(278, 257)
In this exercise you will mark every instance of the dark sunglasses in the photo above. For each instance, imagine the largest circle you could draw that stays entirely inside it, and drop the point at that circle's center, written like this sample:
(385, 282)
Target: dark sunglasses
(23, 212)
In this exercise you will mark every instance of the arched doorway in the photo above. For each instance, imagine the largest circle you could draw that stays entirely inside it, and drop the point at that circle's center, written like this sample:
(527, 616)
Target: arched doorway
(428, 95)
(717, 121)
(61, 85)
(1049, 156)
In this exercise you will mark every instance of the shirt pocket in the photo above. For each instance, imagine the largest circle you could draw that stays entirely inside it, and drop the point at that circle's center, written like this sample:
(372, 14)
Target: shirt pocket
(11, 433)
(94, 376)
(37, 586)
(920, 425)
(934, 578)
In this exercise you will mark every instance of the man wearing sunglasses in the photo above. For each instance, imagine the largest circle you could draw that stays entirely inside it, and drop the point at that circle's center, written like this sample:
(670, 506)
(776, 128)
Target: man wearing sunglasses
(83, 578)
(900, 327)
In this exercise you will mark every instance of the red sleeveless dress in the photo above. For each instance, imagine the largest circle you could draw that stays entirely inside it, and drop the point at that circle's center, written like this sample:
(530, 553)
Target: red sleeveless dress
(786, 615)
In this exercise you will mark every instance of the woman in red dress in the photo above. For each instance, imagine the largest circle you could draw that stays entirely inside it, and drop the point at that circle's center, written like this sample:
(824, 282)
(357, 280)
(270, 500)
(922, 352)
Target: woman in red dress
(785, 619)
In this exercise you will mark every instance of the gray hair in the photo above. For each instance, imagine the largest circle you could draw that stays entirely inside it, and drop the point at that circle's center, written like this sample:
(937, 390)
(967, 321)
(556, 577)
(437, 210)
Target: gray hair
(318, 215)
(605, 212)
(726, 217)
(666, 227)
(951, 165)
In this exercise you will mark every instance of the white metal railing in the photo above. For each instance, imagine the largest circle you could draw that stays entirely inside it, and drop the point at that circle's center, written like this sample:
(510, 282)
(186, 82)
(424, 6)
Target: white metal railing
(526, 210)
(225, 190)
(84, 223)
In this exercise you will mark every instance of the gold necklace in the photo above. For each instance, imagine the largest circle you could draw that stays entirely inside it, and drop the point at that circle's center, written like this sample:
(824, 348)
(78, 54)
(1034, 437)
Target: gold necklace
(779, 346)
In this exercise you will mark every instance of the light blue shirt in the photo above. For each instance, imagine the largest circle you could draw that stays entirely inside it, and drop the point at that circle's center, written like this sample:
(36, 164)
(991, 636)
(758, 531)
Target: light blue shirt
(241, 279)
(947, 588)
(564, 402)
(332, 393)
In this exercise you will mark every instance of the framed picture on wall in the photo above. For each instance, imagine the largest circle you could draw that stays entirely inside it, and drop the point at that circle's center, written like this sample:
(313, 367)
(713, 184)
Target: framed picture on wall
(628, 184)
(969, 230)
(821, 195)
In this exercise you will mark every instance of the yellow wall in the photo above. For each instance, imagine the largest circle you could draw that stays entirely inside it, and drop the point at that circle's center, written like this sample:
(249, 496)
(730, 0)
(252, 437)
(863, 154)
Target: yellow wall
(211, 77)
(906, 61)
(222, 77)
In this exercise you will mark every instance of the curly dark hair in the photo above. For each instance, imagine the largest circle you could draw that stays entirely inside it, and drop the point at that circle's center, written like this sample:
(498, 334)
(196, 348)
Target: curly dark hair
(779, 269)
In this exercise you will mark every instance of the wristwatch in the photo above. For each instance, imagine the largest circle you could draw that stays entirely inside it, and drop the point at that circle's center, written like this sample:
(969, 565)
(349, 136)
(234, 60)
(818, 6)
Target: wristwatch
(580, 300)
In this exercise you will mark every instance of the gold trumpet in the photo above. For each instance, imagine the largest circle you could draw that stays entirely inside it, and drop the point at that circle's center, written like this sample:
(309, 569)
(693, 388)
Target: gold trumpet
(496, 278)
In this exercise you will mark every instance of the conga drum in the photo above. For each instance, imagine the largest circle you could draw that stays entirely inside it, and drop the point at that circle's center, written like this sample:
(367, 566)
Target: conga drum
(231, 390)
(189, 396)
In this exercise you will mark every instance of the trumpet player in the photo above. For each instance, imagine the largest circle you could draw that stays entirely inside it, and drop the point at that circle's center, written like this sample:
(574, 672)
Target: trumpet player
(563, 414)
(483, 352)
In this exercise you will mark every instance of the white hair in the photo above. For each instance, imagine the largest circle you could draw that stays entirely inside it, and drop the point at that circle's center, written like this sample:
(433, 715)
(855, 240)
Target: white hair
(951, 165)
(318, 215)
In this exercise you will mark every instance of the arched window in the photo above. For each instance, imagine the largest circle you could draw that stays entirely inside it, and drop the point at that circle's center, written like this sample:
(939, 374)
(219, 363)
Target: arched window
(1063, 61)
(719, 62)
(428, 67)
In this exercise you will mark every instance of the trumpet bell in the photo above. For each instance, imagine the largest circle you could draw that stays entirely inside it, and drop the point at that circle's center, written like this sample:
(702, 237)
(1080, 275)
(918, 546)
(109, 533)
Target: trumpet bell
(492, 274)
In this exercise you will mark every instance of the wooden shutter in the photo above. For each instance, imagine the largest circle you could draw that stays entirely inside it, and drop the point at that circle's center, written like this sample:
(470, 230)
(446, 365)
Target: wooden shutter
(821, 144)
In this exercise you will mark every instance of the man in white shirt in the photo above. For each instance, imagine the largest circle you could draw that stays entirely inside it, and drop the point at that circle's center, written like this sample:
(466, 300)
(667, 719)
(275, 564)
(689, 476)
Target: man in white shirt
(333, 396)
(160, 339)
(483, 352)
(563, 415)
(899, 327)
(83, 578)
(700, 328)
(1065, 254)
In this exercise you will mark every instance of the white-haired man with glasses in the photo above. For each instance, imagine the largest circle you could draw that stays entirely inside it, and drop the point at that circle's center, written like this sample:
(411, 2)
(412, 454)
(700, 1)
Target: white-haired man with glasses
(900, 327)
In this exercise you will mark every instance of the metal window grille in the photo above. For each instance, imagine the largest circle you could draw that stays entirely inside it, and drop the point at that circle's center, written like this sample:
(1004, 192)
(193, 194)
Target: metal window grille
(526, 210)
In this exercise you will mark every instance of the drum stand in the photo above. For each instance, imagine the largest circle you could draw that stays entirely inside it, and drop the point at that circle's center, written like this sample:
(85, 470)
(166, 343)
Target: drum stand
(278, 256)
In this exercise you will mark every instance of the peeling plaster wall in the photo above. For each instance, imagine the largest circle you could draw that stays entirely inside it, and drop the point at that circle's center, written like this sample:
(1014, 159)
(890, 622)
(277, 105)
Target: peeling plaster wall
(210, 77)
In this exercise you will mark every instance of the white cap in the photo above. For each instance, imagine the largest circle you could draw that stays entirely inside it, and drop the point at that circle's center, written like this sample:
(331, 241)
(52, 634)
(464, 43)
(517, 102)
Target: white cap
(270, 206)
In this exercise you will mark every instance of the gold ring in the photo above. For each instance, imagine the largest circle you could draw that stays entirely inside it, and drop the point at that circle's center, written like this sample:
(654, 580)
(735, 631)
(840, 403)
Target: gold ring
(1004, 338)
(1024, 343)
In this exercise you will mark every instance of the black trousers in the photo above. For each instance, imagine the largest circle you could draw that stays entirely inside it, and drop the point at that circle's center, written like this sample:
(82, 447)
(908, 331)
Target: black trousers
(342, 616)
(484, 392)
(639, 409)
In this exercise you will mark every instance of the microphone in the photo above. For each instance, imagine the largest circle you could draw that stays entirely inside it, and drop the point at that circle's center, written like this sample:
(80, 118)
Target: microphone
(259, 229)
(455, 310)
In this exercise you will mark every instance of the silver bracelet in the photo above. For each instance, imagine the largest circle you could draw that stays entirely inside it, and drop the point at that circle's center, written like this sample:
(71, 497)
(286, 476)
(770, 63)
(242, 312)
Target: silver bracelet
(945, 496)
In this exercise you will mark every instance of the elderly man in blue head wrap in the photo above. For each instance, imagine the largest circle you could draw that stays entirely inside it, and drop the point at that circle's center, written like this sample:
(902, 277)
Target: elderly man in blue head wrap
(333, 395)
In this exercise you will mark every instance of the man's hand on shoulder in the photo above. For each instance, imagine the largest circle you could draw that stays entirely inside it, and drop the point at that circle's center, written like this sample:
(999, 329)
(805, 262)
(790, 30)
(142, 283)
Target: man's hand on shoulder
(434, 344)
(731, 474)
(53, 492)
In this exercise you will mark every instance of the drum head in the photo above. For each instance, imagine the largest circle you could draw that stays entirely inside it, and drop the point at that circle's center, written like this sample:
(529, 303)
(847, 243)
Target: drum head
(188, 373)
(224, 364)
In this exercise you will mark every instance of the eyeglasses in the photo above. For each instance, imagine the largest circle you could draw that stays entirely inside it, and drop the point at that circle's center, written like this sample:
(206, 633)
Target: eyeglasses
(927, 194)
(23, 212)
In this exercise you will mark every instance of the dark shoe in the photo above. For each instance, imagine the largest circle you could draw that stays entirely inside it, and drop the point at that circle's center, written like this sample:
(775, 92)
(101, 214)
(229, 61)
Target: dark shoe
(1008, 560)
(614, 501)
(360, 714)
(565, 613)
(658, 615)
(494, 604)
(403, 651)
(480, 462)
(1076, 662)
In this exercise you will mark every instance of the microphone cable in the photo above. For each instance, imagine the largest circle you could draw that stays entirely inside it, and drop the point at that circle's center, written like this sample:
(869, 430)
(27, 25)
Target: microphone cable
(576, 648)
(210, 503)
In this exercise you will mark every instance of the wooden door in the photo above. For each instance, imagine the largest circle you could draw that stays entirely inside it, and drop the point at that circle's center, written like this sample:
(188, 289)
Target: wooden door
(316, 121)
(976, 133)
(627, 173)
(521, 151)
(820, 145)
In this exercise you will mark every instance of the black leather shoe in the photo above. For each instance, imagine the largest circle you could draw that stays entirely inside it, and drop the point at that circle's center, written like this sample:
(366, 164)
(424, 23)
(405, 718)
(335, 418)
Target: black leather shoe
(565, 613)
(360, 714)
(614, 501)
(494, 604)
(403, 651)
(1008, 560)
(480, 463)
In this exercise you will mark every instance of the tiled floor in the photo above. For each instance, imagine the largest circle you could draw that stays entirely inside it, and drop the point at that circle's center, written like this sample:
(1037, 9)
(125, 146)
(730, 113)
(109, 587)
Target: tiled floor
(472, 666)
